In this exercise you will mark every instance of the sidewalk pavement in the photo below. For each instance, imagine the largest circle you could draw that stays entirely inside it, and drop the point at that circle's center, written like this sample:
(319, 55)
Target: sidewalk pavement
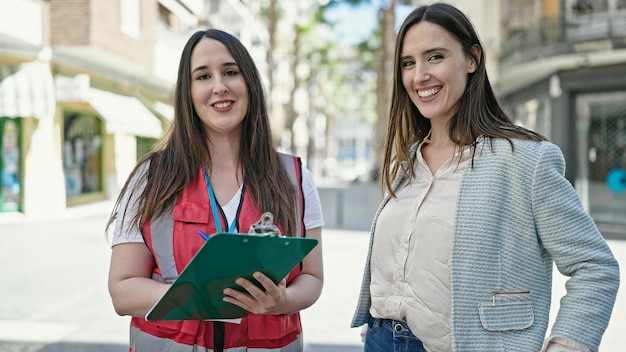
(54, 298)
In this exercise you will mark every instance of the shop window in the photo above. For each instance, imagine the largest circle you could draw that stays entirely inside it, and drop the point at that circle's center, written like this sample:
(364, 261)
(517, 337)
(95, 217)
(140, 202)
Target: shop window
(607, 139)
(82, 154)
(10, 197)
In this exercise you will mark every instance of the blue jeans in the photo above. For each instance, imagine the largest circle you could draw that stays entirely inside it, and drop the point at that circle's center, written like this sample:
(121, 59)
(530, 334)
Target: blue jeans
(385, 335)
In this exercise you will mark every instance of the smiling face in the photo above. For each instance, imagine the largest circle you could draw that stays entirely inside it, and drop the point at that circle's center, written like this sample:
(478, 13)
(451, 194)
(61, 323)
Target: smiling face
(434, 70)
(218, 89)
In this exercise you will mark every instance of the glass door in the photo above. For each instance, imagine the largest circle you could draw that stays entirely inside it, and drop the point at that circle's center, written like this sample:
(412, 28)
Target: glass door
(601, 154)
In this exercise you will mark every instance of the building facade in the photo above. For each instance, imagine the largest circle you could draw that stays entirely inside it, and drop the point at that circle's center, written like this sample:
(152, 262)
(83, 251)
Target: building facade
(85, 90)
(563, 73)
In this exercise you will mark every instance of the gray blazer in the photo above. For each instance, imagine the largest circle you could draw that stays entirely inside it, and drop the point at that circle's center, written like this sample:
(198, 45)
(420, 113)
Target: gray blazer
(516, 215)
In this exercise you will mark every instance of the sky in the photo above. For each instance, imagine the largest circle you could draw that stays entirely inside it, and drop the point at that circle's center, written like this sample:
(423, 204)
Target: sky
(355, 23)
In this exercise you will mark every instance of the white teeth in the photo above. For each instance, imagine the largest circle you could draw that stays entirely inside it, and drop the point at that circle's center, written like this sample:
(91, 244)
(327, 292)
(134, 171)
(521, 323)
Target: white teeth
(223, 105)
(428, 93)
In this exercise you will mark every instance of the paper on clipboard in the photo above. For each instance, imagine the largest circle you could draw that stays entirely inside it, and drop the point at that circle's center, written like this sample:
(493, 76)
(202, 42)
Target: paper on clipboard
(197, 293)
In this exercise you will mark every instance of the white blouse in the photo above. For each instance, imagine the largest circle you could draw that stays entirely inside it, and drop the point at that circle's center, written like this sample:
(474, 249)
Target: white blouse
(411, 252)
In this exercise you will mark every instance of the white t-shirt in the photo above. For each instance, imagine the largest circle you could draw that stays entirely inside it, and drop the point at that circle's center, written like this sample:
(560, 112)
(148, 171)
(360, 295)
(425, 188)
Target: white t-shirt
(313, 216)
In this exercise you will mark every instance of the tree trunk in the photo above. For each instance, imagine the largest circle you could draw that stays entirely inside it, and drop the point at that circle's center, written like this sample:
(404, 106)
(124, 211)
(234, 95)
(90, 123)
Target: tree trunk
(384, 80)
(271, 65)
(291, 111)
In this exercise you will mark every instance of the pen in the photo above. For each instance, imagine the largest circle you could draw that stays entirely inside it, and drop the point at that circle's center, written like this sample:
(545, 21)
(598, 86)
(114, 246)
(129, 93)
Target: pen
(203, 235)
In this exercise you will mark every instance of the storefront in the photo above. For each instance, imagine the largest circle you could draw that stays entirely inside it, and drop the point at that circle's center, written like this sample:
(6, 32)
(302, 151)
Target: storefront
(584, 112)
(26, 100)
(104, 133)
(64, 142)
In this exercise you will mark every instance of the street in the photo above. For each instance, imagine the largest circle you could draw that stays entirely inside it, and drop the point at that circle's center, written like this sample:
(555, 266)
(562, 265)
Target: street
(54, 294)
(55, 298)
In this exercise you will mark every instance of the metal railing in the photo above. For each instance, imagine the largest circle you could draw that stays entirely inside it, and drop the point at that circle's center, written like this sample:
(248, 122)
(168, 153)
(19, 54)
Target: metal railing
(553, 36)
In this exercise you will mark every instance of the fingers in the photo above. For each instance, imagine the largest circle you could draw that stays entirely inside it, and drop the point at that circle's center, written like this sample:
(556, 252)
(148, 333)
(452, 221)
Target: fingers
(257, 300)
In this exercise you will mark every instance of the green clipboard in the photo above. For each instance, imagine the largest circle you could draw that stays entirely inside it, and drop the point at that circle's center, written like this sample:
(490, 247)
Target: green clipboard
(197, 292)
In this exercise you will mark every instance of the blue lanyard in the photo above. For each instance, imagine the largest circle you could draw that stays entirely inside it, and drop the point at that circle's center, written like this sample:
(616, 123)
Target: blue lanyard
(216, 218)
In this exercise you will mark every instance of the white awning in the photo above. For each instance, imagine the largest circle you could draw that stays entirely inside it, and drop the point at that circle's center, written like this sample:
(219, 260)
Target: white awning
(27, 90)
(124, 114)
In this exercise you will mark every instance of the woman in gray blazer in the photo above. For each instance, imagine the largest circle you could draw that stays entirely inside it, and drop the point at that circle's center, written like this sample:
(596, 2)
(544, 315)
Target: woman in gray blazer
(475, 213)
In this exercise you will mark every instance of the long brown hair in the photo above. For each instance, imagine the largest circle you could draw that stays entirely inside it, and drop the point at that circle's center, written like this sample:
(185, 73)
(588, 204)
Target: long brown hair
(176, 160)
(479, 112)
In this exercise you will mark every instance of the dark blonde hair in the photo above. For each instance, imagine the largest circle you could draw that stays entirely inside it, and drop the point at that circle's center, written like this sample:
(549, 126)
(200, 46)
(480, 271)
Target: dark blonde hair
(479, 112)
(176, 161)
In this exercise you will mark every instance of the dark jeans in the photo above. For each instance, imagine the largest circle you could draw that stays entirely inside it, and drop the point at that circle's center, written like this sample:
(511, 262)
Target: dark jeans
(385, 335)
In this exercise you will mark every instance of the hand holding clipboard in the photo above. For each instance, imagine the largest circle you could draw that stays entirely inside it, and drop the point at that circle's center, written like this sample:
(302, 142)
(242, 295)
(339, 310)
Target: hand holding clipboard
(197, 292)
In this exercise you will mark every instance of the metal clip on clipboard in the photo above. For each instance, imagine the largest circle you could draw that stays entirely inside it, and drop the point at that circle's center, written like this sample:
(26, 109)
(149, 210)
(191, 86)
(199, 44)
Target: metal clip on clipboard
(265, 226)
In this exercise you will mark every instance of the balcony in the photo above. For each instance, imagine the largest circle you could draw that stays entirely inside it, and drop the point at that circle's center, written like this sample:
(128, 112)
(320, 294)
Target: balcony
(600, 31)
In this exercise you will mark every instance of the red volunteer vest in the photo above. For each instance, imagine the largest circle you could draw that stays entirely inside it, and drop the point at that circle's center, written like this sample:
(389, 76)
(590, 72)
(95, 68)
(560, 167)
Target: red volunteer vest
(173, 240)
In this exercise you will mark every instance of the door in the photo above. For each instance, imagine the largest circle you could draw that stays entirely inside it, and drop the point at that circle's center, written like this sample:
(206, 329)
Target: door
(601, 155)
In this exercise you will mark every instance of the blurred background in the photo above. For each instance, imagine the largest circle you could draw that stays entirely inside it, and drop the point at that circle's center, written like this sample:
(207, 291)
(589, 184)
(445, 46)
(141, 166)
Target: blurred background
(86, 87)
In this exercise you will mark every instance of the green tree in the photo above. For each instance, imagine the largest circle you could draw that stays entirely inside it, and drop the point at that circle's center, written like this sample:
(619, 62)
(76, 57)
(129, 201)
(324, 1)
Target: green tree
(313, 62)
(382, 43)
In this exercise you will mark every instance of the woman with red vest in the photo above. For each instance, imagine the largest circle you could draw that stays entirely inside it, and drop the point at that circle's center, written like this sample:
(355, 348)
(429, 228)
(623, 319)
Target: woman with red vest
(217, 171)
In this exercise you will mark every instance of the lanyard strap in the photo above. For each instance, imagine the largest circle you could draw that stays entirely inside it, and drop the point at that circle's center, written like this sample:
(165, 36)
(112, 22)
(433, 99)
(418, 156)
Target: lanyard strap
(216, 218)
